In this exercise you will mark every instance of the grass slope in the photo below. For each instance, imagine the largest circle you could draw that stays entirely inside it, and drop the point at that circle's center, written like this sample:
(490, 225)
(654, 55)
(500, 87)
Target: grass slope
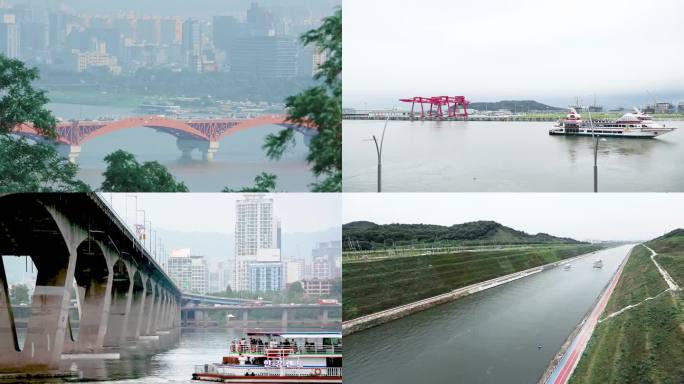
(377, 285)
(644, 344)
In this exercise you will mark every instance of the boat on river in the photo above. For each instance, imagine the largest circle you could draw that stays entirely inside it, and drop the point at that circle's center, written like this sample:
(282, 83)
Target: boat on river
(278, 357)
(598, 263)
(634, 124)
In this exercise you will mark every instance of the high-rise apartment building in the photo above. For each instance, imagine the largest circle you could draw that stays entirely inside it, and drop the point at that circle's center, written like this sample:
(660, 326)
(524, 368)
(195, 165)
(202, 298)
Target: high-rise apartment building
(192, 44)
(327, 260)
(265, 56)
(260, 21)
(147, 30)
(256, 232)
(189, 272)
(9, 36)
(265, 276)
(226, 29)
(294, 271)
(170, 31)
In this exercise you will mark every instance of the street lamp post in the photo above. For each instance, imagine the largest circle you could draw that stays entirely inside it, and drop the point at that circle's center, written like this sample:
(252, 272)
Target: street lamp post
(595, 164)
(596, 143)
(378, 149)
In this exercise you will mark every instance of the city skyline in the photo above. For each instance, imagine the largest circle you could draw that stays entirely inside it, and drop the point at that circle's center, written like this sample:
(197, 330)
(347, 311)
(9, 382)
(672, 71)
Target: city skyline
(299, 212)
(253, 39)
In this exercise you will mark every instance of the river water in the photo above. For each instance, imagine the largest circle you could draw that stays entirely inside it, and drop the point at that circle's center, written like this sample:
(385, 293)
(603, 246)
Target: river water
(478, 156)
(239, 159)
(488, 337)
(175, 365)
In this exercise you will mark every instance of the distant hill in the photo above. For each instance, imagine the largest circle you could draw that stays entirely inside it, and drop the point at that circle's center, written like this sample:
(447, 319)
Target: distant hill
(675, 233)
(513, 105)
(368, 235)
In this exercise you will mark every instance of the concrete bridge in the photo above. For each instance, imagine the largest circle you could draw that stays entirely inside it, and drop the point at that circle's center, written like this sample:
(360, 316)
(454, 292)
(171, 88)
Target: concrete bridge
(81, 249)
(191, 134)
(198, 315)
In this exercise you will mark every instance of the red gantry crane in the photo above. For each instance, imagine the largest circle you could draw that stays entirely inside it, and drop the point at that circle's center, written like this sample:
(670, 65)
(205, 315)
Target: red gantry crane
(440, 107)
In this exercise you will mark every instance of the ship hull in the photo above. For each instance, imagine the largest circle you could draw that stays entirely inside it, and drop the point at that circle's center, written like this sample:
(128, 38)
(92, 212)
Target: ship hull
(215, 377)
(641, 134)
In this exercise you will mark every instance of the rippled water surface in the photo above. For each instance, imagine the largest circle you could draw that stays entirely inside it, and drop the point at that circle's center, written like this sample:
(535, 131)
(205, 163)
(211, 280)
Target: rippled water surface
(481, 156)
(488, 337)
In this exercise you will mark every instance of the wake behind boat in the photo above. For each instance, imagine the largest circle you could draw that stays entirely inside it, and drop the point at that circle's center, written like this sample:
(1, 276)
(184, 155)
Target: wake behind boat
(633, 124)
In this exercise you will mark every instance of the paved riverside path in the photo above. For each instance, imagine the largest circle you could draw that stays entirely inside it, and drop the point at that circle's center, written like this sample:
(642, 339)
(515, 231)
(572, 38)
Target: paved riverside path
(666, 276)
(672, 286)
(561, 374)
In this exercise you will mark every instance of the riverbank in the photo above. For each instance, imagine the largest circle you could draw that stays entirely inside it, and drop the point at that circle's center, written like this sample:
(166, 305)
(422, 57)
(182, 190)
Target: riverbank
(532, 117)
(640, 337)
(376, 285)
(562, 365)
(382, 317)
(94, 98)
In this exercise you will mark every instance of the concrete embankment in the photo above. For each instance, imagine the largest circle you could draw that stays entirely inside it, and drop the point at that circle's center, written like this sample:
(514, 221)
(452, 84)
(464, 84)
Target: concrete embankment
(557, 370)
(382, 317)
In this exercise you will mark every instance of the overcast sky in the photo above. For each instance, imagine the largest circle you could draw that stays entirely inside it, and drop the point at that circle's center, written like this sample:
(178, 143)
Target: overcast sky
(497, 49)
(583, 216)
(215, 212)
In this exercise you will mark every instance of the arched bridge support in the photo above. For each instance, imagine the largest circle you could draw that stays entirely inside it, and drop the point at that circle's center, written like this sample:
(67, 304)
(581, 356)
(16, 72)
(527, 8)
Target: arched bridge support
(78, 251)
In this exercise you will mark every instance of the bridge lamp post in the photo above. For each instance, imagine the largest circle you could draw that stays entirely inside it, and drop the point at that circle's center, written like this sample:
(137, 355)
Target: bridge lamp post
(145, 245)
(136, 206)
(136, 216)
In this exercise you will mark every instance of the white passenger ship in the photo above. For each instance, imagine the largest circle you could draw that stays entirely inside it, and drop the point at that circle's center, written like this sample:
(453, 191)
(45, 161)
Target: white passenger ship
(634, 124)
(278, 357)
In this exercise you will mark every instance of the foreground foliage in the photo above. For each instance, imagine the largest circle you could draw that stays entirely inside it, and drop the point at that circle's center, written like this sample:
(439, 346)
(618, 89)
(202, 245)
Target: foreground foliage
(19, 101)
(263, 182)
(125, 174)
(319, 105)
(33, 167)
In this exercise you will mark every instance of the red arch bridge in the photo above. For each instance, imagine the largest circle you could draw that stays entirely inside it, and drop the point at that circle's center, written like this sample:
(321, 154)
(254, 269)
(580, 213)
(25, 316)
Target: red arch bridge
(202, 134)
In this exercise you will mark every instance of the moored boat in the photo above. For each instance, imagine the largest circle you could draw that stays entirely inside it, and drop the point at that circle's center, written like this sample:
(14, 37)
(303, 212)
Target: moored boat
(633, 124)
(278, 357)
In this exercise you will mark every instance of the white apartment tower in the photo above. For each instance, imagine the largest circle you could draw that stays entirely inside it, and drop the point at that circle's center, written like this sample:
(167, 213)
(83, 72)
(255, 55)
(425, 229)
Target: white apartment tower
(255, 229)
(189, 272)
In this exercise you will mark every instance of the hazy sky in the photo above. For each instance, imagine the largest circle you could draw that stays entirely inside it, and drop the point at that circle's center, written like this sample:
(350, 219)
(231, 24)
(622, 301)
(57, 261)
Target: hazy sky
(497, 49)
(605, 216)
(215, 212)
(194, 8)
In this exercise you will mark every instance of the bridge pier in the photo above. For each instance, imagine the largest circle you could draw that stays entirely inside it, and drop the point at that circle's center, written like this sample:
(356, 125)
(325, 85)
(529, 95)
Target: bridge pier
(245, 318)
(55, 258)
(122, 293)
(148, 305)
(94, 280)
(324, 316)
(213, 148)
(74, 151)
(137, 305)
